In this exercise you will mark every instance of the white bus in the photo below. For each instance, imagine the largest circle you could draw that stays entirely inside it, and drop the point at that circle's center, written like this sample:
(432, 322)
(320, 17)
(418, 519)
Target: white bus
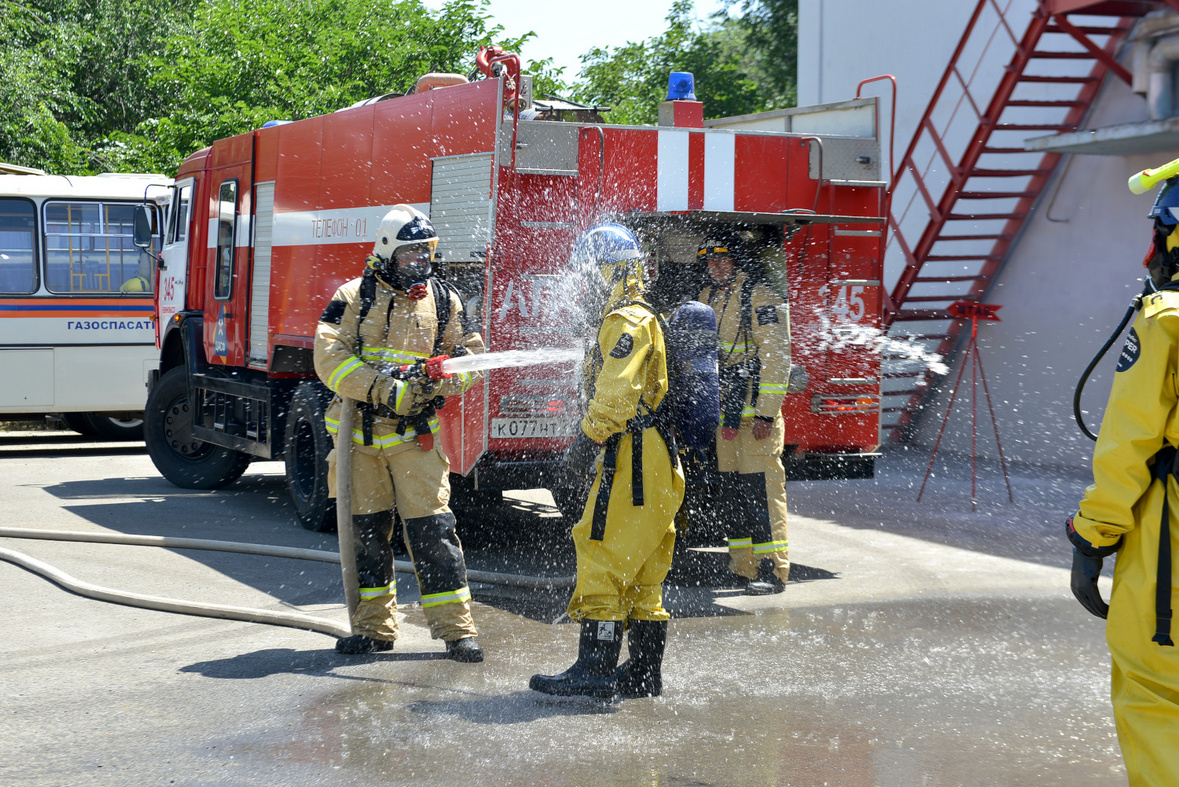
(76, 331)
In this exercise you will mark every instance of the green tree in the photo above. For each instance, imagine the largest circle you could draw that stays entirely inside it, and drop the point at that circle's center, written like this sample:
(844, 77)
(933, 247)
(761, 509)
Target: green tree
(244, 62)
(770, 29)
(730, 78)
(35, 92)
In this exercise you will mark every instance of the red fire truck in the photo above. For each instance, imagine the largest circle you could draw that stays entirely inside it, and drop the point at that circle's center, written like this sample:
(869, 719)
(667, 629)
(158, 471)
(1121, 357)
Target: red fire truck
(279, 217)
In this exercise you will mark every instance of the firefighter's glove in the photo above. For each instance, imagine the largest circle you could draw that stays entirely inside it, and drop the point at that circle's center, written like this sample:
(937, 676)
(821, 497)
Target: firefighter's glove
(580, 457)
(762, 427)
(1087, 560)
(407, 396)
(729, 433)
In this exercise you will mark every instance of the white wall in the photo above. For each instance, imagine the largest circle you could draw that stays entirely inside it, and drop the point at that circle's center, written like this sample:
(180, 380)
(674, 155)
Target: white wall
(1072, 273)
(1066, 284)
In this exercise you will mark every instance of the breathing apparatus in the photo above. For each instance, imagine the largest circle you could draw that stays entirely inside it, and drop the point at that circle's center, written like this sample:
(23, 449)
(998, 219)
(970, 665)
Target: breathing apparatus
(404, 250)
(1161, 260)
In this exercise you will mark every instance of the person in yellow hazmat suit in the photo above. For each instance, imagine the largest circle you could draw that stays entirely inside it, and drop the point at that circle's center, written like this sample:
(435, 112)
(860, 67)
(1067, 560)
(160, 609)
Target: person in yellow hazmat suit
(626, 535)
(396, 315)
(753, 323)
(1132, 508)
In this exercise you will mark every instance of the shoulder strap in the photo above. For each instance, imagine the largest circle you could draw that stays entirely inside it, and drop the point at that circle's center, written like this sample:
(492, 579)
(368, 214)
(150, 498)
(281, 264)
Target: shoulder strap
(368, 293)
(442, 310)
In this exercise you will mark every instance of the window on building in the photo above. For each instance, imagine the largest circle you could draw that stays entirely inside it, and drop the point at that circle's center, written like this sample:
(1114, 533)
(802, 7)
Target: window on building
(18, 261)
(89, 249)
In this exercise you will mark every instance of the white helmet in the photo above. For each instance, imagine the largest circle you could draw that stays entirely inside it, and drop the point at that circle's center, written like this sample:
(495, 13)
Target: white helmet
(402, 226)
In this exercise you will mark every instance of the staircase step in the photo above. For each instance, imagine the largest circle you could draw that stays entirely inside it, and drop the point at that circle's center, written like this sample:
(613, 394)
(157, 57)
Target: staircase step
(934, 298)
(996, 194)
(970, 237)
(951, 279)
(1005, 151)
(1020, 103)
(983, 216)
(902, 375)
(1057, 80)
(1006, 173)
(1089, 30)
(1033, 127)
(1046, 54)
(911, 315)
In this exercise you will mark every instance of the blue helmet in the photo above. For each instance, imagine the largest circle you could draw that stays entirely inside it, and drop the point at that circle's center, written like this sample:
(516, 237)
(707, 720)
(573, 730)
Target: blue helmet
(1166, 204)
(609, 250)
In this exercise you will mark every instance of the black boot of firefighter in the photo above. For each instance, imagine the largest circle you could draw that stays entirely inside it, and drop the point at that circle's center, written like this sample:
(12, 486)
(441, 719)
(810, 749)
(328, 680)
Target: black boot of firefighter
(767, 582)
(466, 650)
(642, 674)
(592, 675)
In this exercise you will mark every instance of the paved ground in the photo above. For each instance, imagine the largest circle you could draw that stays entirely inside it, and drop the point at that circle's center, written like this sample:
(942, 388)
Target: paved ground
(922, 645)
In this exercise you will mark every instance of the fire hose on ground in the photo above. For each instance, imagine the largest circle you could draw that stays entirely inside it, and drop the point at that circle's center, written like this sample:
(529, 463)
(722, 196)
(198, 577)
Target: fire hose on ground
(345, 557)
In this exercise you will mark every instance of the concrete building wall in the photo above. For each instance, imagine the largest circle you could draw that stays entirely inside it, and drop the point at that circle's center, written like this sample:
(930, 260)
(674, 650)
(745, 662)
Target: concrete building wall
(1073, 271)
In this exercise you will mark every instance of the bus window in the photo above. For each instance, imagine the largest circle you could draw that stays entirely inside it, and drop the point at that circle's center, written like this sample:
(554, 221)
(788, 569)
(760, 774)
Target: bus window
(89, 249)
(227, 214)
(18, 269)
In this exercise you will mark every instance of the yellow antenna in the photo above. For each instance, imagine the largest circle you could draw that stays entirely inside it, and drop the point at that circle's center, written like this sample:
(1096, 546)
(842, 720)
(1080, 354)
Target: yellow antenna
(1147, 179)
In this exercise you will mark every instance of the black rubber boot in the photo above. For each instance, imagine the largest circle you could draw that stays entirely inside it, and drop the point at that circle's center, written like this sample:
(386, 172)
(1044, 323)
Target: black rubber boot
(466, 650)
(358, 643)
(767, 582)
(592, 675)
(642, 674)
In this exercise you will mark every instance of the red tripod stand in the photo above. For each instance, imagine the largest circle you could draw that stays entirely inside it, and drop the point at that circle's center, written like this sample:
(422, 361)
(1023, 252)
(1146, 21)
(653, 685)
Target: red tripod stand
(974, 312)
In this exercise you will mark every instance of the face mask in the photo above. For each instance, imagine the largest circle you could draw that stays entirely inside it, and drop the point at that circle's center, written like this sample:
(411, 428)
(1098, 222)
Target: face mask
(413, 264)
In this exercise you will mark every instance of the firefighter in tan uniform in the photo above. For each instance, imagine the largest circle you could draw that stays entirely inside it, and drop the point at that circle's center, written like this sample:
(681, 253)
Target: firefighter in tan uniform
(371, 328)
(753, 323)
(626, 535)
(1132, 508)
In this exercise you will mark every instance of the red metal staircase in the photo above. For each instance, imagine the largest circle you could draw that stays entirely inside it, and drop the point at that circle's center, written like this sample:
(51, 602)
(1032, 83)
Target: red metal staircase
(965, 186)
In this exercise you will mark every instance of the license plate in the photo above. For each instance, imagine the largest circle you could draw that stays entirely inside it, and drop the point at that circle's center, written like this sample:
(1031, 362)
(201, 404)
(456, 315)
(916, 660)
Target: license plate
(517, 428)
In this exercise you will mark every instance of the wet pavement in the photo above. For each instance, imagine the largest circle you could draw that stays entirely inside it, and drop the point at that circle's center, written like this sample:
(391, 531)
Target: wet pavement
(917, 644)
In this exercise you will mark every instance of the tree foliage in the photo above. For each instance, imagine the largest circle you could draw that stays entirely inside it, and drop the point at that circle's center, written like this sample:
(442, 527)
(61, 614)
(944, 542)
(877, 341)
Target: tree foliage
(137, 85)
(733, 76)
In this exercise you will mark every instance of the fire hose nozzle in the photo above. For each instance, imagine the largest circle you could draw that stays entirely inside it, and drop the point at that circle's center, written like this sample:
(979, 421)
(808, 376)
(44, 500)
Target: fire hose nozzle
(434, 368)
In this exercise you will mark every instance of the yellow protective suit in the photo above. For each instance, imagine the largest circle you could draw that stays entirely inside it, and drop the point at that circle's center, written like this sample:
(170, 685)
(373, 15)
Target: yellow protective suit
(753, 323)
(1125, 502)
(623, 560)
(389, 467)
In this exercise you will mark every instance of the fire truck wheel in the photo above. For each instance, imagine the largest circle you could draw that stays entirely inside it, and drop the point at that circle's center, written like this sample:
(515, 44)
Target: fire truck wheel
(305, 449)
(181, 458)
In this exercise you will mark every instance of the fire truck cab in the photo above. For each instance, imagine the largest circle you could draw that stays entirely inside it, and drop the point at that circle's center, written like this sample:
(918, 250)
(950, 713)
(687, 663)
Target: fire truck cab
(279, 217)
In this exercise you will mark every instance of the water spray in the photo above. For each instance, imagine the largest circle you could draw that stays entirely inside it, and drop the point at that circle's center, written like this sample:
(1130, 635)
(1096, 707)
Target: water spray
(509, 359)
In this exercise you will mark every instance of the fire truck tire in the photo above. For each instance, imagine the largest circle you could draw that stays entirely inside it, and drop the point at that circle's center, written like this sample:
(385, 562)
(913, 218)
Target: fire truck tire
(181, 458)
(305, 449)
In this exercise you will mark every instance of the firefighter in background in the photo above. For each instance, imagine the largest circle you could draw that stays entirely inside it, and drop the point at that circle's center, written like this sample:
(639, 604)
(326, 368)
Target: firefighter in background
(626, 535)
(754, 327)
(1132, 508)
(394, 315)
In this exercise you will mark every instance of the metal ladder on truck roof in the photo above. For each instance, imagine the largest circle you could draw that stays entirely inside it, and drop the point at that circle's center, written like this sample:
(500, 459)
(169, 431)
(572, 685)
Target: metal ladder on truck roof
(965, 186)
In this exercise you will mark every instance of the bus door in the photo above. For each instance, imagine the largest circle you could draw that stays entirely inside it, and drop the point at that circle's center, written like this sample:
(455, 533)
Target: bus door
(173, 265)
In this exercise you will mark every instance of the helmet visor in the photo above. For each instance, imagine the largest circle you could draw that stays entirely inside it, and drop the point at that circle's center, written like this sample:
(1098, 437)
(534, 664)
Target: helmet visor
(413, 261)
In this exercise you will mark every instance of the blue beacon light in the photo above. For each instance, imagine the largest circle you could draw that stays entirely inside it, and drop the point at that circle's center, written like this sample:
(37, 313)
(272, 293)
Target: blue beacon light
(681, 86)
